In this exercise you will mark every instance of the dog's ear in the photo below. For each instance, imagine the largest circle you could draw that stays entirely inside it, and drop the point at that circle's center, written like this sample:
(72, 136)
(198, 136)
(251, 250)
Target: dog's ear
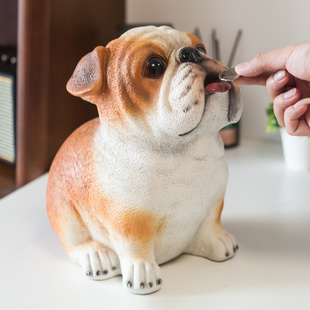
(89, 75)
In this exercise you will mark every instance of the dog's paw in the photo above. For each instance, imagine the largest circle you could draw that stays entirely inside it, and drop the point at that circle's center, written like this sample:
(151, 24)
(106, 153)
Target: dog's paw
(221, 245)
(141, 277)
(97, 261)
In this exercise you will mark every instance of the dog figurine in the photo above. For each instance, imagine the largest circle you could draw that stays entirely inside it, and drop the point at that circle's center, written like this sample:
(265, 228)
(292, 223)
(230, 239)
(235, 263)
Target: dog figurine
(145, 182)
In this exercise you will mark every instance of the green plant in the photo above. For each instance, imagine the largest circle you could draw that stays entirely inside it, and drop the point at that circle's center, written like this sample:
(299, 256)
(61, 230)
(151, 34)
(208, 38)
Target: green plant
(273, 124)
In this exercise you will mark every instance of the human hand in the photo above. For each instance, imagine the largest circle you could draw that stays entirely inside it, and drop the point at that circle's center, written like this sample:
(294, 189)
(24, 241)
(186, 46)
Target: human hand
(286, 73)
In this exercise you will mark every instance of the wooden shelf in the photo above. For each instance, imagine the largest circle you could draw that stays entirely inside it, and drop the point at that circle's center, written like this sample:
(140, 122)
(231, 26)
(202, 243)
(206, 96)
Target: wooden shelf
(7, 179)
(52, 37)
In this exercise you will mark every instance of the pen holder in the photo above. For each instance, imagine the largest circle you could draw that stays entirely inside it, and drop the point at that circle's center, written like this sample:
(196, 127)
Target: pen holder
(230, 135)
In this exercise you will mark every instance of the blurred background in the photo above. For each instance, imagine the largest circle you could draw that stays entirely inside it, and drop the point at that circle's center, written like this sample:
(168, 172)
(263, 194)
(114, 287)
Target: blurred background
(47, 38)
(265, 25)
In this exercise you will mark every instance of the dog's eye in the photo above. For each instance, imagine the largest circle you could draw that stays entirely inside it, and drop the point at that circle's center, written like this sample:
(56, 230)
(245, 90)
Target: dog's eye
(154, 68)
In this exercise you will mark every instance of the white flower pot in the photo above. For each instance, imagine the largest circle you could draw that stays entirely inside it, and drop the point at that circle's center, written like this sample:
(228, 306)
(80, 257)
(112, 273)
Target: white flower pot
(296, 151)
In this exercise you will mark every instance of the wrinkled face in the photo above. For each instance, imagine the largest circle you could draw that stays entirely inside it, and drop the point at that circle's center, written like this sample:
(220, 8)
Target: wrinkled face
(161, 81)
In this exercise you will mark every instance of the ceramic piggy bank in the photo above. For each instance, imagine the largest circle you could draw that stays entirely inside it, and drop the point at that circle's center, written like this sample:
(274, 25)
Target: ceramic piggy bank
(145, 182)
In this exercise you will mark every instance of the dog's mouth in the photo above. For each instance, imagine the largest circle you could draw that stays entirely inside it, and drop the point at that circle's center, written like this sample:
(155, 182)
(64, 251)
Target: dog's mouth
(215, 87)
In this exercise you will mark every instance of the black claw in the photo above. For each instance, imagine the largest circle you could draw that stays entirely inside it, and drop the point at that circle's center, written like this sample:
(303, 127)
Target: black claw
(105, 272)
(159, 281)
(237, 247)
(113, 268)
(226, 254)
(142, 285)
(150, 285)
(129, 285)
(88, 273)
(98, 273)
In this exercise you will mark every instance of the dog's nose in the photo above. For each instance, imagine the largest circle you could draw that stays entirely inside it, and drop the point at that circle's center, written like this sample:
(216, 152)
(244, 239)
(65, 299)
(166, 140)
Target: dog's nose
(190, 54)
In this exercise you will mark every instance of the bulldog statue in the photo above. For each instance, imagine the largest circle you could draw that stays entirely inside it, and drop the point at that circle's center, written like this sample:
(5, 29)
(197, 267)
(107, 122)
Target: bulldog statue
(145, 182)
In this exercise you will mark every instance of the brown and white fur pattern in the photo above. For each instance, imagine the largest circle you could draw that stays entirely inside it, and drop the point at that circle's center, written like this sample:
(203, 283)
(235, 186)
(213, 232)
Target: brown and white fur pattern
(144, 182)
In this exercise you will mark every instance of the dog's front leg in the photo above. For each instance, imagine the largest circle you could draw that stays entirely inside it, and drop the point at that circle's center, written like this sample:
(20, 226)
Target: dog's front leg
(141, 273)
(134, 236)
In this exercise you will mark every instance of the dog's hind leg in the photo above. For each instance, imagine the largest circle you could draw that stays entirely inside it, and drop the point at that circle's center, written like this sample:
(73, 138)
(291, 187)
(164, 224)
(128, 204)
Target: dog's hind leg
(211, 239)
(98, 261)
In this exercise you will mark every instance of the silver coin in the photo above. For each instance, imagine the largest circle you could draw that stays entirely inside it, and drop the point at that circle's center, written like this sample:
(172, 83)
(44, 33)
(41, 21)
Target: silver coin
(228, 75)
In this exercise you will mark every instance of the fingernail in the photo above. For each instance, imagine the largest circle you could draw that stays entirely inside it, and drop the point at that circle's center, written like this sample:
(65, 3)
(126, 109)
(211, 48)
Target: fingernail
(240, 67)
(289, 94)
(301, 103)
(279, 75)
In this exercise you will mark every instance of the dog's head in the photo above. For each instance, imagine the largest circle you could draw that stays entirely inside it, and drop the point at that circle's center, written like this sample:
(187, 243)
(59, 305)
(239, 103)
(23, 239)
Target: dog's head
(158, 81)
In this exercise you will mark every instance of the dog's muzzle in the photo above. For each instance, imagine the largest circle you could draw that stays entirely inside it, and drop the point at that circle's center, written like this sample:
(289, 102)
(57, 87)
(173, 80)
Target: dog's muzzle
(212, 82)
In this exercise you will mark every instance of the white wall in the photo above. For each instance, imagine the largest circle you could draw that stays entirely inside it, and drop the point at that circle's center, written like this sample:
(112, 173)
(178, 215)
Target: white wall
(266, 25)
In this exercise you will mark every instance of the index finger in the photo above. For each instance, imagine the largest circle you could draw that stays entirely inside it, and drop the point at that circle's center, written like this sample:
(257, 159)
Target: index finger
(267, 62)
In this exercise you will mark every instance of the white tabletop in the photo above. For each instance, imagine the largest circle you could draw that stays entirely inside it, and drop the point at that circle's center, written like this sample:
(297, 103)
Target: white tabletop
(267, 208)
